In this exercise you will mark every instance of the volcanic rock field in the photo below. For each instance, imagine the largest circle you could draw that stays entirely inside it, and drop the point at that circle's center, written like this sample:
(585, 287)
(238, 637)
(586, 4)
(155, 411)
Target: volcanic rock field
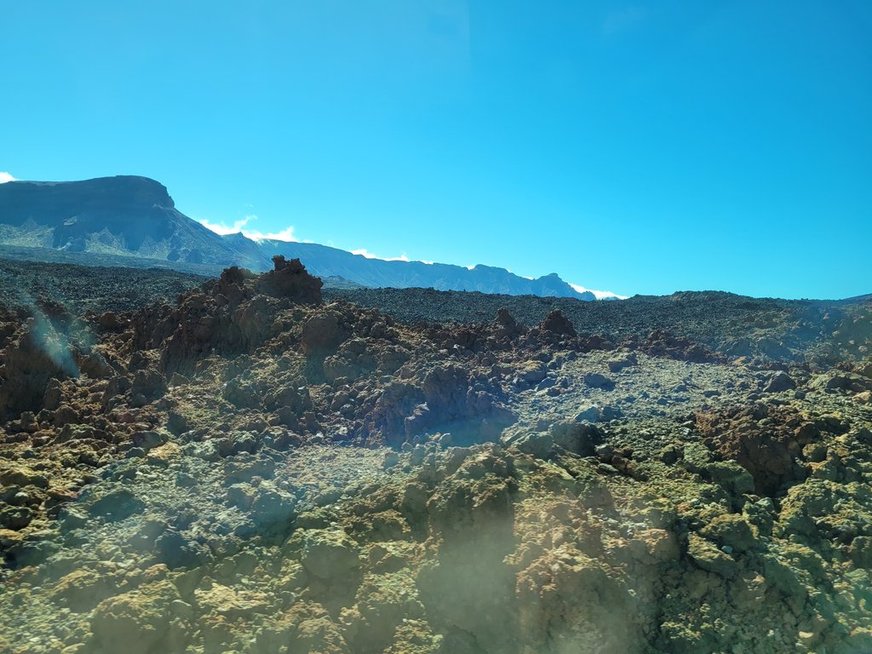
(254, 464)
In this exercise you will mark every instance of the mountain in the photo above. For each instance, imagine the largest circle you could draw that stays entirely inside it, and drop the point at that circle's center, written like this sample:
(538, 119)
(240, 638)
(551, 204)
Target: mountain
(324, 261)
(124, 215)
(135, 218)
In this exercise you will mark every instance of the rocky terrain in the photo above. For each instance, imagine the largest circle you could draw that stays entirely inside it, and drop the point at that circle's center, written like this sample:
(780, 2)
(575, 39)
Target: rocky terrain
(732, 325)
(255, 464)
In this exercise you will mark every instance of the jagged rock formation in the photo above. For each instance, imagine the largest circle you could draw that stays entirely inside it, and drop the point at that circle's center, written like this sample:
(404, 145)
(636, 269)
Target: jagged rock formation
(289, 279)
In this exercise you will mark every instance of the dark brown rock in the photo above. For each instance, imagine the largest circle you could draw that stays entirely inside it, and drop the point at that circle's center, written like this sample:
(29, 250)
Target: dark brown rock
(289, 279)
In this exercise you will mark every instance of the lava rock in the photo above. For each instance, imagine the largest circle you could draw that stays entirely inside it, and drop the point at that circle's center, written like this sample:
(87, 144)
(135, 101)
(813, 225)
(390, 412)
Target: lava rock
(117, 504)
(176, 551)
(780, 382)
(291, 280)
(147, 440)
(618, 364)
(328, 554)
(597, 380)
(558, 324)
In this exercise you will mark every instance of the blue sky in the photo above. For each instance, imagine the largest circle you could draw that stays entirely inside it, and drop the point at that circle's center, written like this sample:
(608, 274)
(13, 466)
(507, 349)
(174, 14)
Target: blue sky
(637, 147)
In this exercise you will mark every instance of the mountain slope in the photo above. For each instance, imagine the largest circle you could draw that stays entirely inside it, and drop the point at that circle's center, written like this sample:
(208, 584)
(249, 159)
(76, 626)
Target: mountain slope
(135, 218)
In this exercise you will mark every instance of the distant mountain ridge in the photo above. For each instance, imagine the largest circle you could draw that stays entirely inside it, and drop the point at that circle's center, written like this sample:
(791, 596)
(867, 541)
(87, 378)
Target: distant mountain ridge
(133, 216)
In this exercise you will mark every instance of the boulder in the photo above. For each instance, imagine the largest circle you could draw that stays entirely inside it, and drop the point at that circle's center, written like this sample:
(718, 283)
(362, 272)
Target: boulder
(595, 413)
(176, 551)
(322, 334)
(327, 554)
(558, 324)
(242, 393)
(147, 440)
(577, 438)
(707, 556)
(507, 326)
(732, 531)
(139, 621)
(779, 382)
(35, 355)
(289, 279)
(619, 363)
(530, 373)
(597, 380)
(117, 504)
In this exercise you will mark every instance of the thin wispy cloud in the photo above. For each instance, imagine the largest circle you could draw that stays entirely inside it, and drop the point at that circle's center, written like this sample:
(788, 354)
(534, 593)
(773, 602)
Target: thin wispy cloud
(369, 255)
(286, 234)
(5, 177)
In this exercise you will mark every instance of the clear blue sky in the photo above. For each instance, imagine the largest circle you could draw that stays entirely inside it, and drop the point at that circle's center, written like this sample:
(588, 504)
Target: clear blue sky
(637, 147)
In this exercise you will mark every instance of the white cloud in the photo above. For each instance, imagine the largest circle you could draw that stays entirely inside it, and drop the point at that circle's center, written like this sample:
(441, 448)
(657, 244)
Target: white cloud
(286, 234)
(369, 255)
(5, 177)
(599, 295)
(223, 229)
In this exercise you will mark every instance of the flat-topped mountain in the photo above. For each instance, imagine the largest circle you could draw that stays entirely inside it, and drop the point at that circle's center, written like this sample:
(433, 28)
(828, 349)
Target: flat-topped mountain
(135, 217)
(124, 215)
